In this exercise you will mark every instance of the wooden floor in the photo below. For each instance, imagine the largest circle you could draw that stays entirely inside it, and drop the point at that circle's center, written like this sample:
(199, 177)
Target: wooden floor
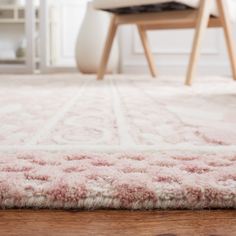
(156, 223)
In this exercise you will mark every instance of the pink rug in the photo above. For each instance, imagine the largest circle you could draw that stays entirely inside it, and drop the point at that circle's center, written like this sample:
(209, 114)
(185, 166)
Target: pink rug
(124, 143)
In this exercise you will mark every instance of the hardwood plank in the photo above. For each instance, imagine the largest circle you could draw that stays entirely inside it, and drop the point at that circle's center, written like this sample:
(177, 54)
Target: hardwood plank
(158, 223)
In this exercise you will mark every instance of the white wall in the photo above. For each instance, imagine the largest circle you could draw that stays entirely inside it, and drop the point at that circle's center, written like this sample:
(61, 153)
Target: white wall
(171, 49)
(71, 13)
(69, 16)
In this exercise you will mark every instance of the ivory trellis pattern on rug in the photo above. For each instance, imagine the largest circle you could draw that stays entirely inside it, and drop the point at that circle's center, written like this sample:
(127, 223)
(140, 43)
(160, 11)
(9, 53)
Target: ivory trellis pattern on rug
(135, 143)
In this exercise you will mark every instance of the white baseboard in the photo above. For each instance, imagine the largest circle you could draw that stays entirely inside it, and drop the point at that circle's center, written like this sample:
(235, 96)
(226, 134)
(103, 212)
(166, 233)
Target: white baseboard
(219, 70)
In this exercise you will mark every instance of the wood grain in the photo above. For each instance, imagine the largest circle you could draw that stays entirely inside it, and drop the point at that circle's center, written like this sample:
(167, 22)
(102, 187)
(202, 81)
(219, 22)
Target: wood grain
(224, 13)
(201, 27)
(157, 223)
(147, 50)
(165, 20)
(107, 48)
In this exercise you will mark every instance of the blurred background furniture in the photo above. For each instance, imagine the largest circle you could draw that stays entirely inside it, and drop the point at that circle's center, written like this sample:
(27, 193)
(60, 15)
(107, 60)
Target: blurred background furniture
(208, 13)
(39, 36)
(20, 36)
(90, 42)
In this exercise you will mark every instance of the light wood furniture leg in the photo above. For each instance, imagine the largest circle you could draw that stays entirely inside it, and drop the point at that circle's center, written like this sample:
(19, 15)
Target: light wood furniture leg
(201, 26)
(147, 50)
(224, 17)
(107, 48)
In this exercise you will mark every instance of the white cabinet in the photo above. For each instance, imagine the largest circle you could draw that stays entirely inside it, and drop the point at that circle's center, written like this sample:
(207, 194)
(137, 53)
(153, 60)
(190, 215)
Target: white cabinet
(48, 29)
(17, 36)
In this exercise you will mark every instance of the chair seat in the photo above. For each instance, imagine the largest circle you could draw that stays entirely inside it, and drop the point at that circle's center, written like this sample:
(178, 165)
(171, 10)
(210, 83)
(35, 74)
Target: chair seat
(116, 4)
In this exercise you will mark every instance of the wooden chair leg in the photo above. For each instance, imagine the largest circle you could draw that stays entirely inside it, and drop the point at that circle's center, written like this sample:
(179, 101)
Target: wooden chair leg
(107, 49)
(201, 26)
(224, 17)
(147, 50)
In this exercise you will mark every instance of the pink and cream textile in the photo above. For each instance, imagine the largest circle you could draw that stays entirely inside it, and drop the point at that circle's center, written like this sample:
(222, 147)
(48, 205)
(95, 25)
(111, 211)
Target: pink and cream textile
(134, 143)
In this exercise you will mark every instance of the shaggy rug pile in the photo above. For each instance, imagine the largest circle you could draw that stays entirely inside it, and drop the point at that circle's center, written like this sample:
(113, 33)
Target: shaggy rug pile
(122, 143)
